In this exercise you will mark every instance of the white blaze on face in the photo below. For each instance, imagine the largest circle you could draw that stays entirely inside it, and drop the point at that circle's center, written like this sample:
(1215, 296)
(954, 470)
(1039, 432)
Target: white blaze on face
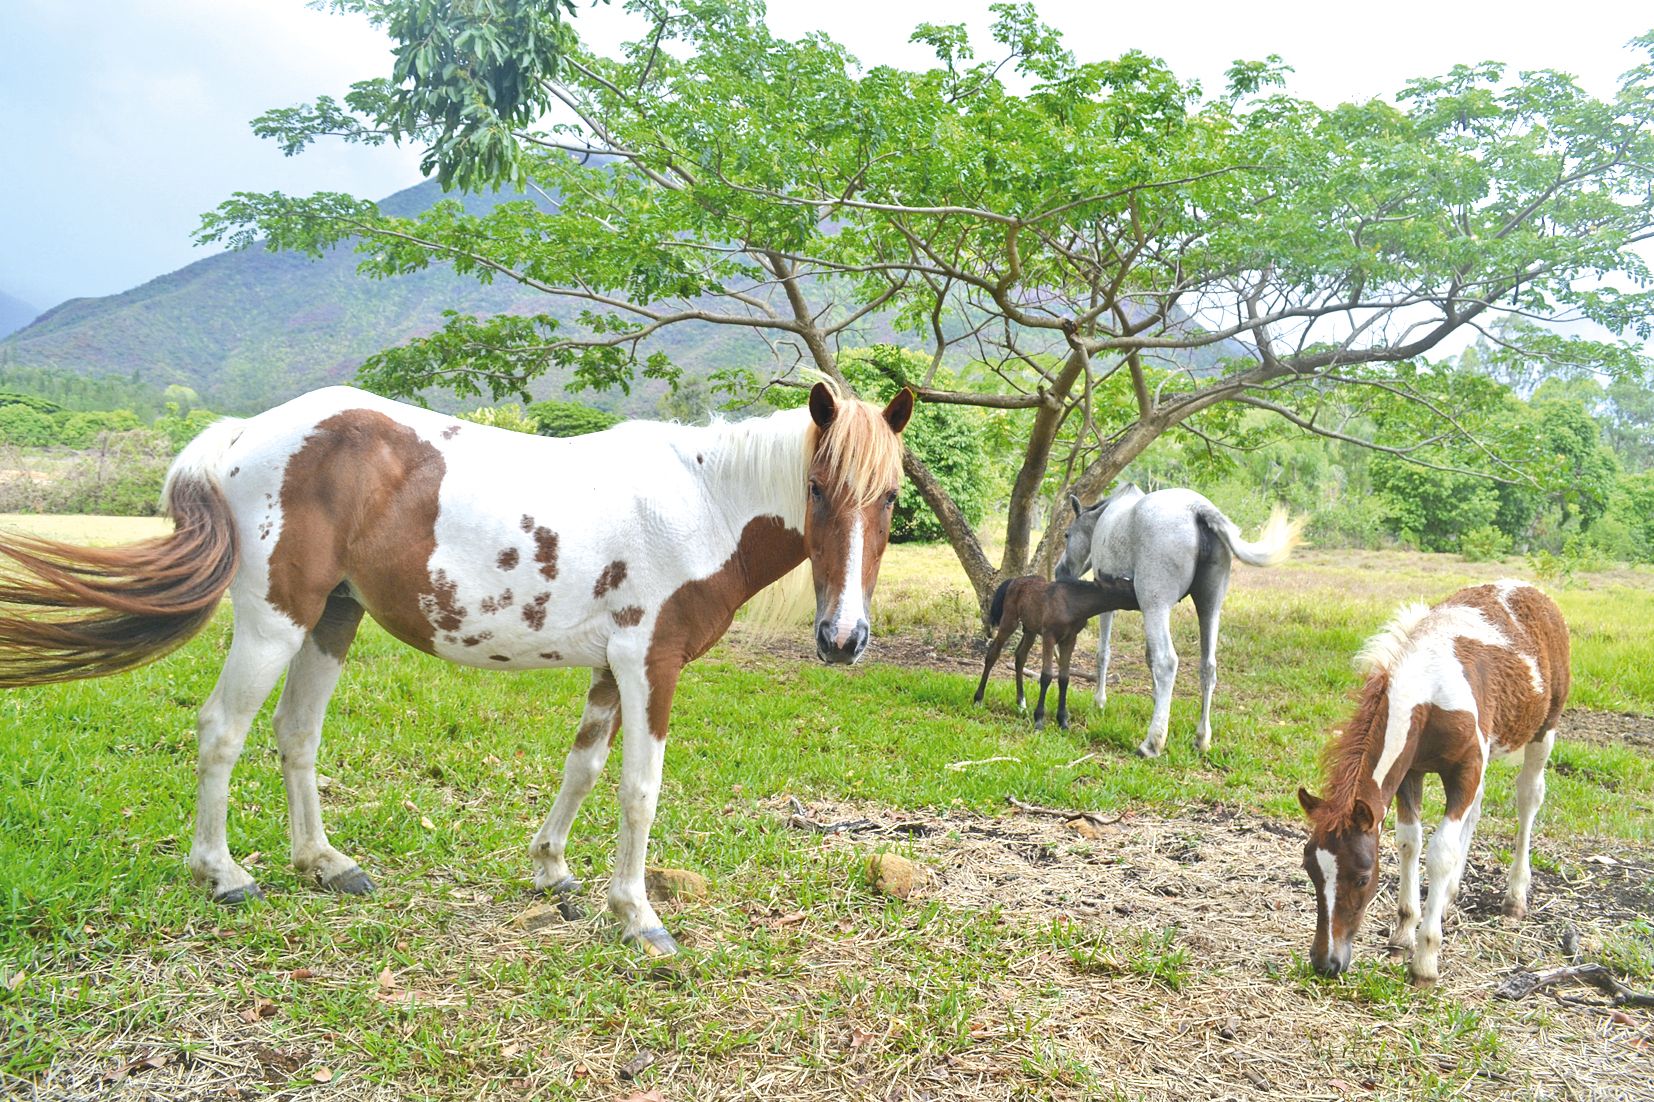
(1329, 883)
(852, 603)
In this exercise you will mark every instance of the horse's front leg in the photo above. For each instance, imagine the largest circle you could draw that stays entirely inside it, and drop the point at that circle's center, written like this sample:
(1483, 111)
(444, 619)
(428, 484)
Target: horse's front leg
(1443, 864)
(645, 702)
(598, 723)
(1409, 847)
(1065, 657)
(1105, 635)
(1046, 646)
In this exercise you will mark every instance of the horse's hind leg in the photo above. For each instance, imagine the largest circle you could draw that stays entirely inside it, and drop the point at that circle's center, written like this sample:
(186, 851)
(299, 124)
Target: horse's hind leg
(995, 647)
(1046, 647)
(1105, 635)
(1024, 645)
(1210, 587)
(1157, 635)
(598, 723)
(1530, 793)
(311, 678)
(263, 643)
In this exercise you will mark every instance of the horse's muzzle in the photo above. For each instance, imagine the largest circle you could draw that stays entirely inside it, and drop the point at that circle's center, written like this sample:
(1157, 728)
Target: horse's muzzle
(831, 651)
(1335, 963)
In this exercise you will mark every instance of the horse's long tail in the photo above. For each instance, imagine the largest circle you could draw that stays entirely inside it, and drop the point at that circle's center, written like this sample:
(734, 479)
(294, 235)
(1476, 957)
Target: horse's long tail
(997, 609)
(69, 612)
(1274, 544)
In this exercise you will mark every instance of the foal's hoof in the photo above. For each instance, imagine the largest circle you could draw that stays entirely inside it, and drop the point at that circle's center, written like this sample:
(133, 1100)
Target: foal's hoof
(1039, 723)
(654, 942)
(236, 897)
(563, 895)
(353, 881)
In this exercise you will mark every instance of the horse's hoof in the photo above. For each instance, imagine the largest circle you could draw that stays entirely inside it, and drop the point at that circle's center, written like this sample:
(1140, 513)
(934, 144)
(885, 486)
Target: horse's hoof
(1148, 750)
(1421, 983)
(1062, 723)
(1514, 909)
(236, 897)
(563, 895)
(654, 942)
(1395, 950)
(977, 699)
(1039, 723)
(353, 881)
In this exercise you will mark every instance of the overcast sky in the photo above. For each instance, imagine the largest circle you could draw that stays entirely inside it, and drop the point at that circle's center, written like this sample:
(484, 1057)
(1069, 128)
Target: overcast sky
(121, 121)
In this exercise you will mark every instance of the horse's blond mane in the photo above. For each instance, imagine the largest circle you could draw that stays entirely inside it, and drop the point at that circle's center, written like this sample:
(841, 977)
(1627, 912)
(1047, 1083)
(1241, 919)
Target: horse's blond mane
(860, 447)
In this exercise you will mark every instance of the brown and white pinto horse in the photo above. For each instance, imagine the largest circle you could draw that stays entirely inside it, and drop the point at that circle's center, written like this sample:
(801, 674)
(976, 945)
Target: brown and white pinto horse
(626, 551)
(1484, 674)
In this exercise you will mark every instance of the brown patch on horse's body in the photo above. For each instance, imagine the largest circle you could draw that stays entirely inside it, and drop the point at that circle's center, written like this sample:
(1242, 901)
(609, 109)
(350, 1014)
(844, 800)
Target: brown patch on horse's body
(491, 605)
(359, 501)
(612, 576)
(629, 617)
(697, 613)
(534, 611)
(507, 559)
(450, 432)
(545, 552)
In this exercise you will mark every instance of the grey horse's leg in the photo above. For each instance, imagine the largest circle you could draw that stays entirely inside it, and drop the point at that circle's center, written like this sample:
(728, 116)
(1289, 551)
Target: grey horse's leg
(1211, 585)
(1157, 636)
(1105, 633)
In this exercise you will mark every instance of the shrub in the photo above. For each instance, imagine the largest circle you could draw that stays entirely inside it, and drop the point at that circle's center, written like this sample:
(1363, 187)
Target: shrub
(509, 416)
(24, 426)
(570, 418)
(1484, 544)
(1431, 508)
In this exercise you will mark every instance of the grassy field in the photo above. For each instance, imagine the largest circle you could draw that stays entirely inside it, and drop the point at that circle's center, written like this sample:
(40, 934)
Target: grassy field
(1158, 954)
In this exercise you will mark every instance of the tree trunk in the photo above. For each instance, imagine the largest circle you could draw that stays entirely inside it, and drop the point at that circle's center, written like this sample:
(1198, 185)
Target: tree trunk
(1036, 459)
(983, 577)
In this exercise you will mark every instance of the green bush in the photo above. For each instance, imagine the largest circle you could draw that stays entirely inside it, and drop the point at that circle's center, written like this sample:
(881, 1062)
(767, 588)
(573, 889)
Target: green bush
(1430, 508)
(570, 418)
(81, 429)
(26, 427)
(1484, 544)
(509, 416)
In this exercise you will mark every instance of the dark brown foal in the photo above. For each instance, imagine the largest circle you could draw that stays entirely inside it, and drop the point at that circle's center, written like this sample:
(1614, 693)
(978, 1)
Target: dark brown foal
(1054, 613)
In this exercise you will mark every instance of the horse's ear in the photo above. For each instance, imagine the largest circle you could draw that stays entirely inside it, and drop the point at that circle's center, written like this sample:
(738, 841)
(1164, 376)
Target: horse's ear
(900, 409)
(1309, 802)
(1075, 502)
(1363, 817)
(822, 405)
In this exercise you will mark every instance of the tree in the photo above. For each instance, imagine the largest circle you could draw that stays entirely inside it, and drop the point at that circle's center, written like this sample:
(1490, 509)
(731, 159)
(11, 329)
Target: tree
(1109, 232)
(570, 418)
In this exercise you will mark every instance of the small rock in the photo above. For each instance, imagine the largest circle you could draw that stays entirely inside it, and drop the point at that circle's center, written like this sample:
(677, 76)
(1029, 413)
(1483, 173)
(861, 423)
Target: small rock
(636, 1066)
(674, 884)
(1084, 827)
(537, 917)
(892, 874)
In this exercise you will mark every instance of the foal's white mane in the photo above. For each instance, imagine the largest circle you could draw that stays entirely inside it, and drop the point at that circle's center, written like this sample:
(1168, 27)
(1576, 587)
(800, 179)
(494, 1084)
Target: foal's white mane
(1380, 653)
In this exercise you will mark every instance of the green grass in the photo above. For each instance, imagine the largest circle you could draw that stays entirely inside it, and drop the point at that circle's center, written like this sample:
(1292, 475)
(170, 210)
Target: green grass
(97, 911)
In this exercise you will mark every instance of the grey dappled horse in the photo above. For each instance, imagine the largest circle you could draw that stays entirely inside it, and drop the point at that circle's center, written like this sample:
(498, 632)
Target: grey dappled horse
(1172, 544)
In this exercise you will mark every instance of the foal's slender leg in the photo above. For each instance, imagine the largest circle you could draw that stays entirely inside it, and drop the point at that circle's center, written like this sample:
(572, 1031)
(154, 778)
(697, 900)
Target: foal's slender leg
(1530, 793)
(1442, 864)
(1046, 647)
(1024, 645)
(1157, 636)
(1065, 656)
(645, 701)
(1105, 634)
(581, 768)
(311, 677)
(263, 643)
(997, 645)
(1409, 846)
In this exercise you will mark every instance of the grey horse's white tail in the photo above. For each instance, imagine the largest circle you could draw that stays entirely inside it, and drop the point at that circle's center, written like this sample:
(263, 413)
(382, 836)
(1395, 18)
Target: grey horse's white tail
(1274, 544)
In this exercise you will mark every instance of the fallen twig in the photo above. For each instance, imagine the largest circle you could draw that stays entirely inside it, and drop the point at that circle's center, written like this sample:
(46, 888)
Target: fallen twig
(956, 766)
(1058, 813)
(1522, 984)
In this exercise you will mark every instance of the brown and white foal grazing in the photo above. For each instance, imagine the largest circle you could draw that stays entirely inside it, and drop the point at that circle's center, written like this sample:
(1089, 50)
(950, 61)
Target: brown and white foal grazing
(626, 552)
(1053, 613)
(1482, 675)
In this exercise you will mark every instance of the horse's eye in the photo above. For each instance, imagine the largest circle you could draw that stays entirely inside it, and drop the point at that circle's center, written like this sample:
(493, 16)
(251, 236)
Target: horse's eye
(815, 491)
(890, 500)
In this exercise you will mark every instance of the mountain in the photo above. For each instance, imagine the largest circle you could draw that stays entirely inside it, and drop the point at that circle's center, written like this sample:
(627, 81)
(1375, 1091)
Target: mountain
(249, 329)
(14, 313)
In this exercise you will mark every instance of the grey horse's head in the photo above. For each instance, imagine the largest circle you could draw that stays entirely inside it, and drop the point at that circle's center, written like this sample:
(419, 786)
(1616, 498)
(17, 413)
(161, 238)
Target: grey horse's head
(1076, 555)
